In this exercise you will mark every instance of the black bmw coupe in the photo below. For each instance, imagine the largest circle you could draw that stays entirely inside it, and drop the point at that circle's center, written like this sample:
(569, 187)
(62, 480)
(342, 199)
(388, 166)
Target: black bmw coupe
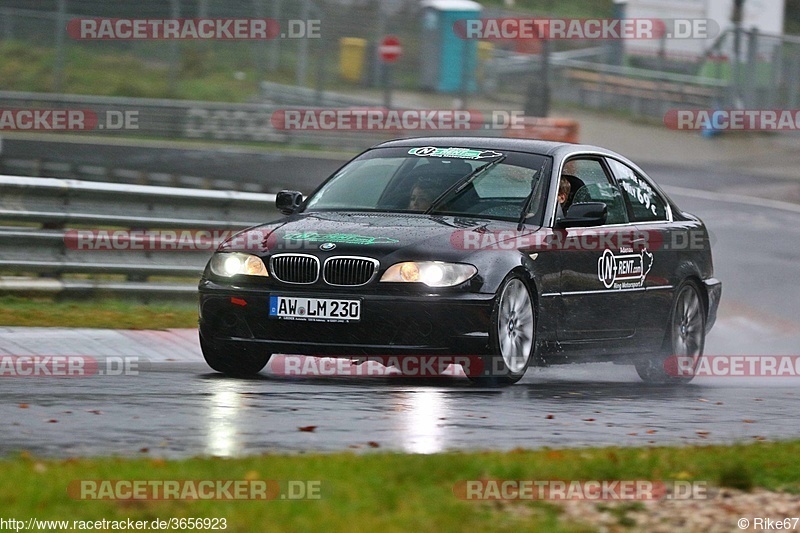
(513, 252)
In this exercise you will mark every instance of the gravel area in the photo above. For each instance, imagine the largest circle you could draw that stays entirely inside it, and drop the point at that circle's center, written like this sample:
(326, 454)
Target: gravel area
(726, 510)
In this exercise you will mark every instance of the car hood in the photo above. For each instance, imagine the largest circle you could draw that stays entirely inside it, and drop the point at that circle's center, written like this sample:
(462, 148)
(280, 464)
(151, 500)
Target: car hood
(374, 234)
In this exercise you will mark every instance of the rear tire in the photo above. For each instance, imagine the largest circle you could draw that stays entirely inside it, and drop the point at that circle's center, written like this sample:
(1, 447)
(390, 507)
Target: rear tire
(512, 336)
(684, 340)
(233, 362)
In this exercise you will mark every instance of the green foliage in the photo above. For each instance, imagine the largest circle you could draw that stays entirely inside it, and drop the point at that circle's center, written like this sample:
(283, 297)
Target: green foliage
(111, 71)
(99, 313)
(386, 491)
(736, 476)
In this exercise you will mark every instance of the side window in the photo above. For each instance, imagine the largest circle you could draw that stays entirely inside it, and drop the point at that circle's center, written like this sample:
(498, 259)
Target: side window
(647, 205)
(589, 183)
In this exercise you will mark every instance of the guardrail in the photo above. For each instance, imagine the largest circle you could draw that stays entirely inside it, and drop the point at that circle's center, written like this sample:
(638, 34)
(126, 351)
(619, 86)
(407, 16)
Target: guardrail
(577, 79)
(214, 121)
(44, 218)
(112, 174)
(641, 91)
(292, 95)
(187, 119)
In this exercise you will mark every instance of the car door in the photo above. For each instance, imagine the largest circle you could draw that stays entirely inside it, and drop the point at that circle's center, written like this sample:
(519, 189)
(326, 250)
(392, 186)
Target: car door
(598, 265)
(657, 238)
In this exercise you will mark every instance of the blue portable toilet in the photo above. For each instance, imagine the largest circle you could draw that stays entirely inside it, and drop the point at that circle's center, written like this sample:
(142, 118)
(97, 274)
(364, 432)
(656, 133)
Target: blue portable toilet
(447, 62)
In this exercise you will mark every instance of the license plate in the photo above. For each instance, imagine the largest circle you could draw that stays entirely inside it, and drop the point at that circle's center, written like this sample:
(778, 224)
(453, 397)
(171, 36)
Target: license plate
(314, 309)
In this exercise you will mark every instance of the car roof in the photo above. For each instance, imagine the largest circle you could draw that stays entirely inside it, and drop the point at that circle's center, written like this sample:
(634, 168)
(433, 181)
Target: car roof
(534, 146)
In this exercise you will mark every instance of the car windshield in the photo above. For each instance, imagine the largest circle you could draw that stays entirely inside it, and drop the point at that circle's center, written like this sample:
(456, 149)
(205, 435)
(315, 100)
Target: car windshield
(435, 180)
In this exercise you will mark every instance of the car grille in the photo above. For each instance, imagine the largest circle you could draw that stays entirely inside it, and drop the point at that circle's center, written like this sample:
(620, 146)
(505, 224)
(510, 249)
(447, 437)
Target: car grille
(349, 270)
(295, 268)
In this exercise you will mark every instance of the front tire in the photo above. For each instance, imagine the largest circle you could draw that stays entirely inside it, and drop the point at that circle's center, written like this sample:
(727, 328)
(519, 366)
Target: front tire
(236, 362)
(512, 336)
(683, 343)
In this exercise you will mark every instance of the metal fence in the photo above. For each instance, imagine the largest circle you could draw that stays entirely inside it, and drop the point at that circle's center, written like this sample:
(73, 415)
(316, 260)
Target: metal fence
(760, 70)
(581, 77)
(190, 120)
(44, 218)
(305, 62)
(743, 69)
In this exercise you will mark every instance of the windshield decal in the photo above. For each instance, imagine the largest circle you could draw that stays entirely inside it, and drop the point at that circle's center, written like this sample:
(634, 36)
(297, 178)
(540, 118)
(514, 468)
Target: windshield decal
(341, 238)
(457, 153)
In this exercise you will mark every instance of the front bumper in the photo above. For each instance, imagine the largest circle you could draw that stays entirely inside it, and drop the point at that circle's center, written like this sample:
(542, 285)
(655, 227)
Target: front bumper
(391, 324)
(714, 292)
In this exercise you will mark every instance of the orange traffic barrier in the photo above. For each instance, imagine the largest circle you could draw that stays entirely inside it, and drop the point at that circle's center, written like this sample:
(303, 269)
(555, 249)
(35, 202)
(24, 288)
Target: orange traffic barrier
(546, 129)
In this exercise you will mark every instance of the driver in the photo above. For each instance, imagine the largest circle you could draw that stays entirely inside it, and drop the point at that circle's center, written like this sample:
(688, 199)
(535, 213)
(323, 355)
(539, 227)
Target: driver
(564, 188)
(422, 196)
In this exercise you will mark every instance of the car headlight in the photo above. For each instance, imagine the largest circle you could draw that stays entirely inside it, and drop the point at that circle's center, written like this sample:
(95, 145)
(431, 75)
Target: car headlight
(228, 264)
(431, 273)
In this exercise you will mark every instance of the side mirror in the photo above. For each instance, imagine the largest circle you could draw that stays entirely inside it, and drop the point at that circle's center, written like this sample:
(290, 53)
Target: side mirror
(584, 214)
(288, 201)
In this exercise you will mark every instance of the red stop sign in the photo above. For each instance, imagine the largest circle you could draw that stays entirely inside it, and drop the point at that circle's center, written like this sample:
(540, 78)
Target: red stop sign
(390, 49)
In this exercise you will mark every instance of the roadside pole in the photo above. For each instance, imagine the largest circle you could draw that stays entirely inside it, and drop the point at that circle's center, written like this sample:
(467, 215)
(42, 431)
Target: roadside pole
(389, 52)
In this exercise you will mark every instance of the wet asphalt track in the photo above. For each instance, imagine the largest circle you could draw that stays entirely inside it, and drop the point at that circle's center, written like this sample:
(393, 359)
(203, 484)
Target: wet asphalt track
(180, 408)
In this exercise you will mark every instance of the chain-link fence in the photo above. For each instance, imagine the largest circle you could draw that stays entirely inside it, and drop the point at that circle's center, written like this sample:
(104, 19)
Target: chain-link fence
(761, 71)
(331, 45)
(306, 52)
